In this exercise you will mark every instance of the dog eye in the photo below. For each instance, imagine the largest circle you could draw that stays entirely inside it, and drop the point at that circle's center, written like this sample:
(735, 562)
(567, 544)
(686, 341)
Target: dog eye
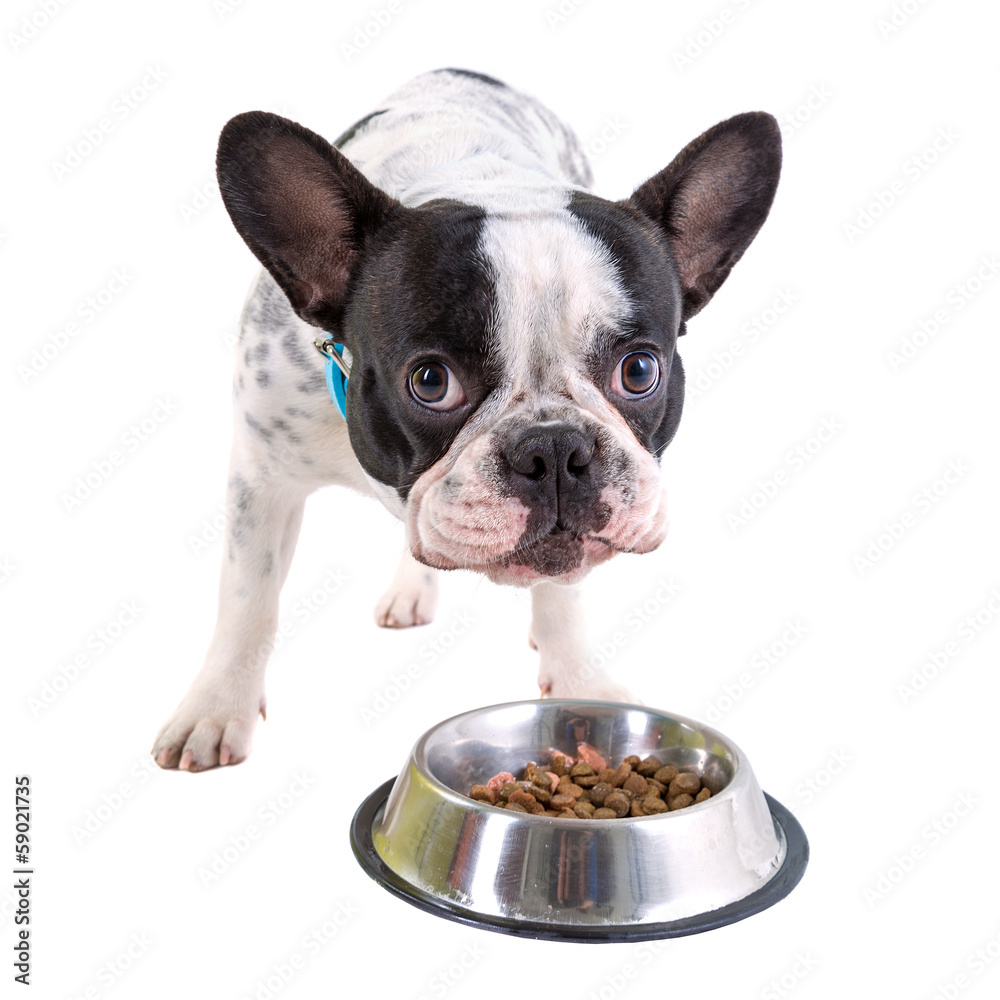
(637, 375)
(433, 385)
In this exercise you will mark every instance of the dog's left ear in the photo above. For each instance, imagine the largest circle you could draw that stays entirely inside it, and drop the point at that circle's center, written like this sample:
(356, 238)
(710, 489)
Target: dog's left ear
(711, 201)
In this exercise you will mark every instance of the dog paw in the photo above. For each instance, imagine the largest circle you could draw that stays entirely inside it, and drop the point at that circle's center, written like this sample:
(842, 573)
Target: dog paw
(411, 598)
(210, 728)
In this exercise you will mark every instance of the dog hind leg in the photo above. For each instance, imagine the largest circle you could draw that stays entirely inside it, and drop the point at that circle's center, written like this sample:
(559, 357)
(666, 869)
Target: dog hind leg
(411, 598)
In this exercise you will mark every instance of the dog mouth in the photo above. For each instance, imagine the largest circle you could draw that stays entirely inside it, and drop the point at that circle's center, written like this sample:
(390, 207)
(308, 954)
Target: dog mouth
(566, 556)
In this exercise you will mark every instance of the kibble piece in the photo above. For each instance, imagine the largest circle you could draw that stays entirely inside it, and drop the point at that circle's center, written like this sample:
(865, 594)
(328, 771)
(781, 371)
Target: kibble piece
(607, 774)
(603, 813)
(515, 807)
(619, 802)
(522, 798)
(685, 784)
(652, 805)
(581, 769)
(559, 765)
(508, 789)
(666, 774)
(600, 792)
(568, 787)
(636, 784)
(679, 801)
(705, 793)
(552, 812)
(648, 767)
(656, 786)
(621, 775)
(586, 780)
(540, 793)
(562, 802)
(483, 794)
(568, 814)
(584, 809)
(633, 761)
(636, 808)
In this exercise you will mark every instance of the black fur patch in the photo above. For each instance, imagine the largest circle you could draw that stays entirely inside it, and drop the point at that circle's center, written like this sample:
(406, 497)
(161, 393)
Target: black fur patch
(355, 128)
(481, 77)
(423, 293)
(647, 271)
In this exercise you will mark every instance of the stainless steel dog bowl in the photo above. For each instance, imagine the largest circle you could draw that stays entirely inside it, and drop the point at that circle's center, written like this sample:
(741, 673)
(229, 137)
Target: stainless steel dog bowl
(586, 880)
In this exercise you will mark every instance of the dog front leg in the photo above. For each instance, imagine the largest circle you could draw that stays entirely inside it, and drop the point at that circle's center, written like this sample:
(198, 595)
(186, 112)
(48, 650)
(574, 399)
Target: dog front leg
(558, 632)
(214, 723)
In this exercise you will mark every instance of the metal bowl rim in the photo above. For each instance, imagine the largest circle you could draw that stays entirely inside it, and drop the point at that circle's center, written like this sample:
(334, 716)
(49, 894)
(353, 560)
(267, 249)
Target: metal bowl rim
(418, 758)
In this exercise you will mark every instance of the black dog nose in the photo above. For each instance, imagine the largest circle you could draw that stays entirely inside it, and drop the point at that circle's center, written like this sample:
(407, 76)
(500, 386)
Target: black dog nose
(556, 453)
(550, 466)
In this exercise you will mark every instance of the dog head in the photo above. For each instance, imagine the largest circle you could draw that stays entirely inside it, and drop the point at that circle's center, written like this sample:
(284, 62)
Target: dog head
(514, 375)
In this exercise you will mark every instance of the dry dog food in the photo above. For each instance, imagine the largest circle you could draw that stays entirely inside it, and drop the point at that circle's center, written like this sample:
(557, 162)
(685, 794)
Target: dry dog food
(586, 788)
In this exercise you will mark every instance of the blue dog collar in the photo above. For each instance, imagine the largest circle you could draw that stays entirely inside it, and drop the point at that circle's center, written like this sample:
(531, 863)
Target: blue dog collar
(337, 370)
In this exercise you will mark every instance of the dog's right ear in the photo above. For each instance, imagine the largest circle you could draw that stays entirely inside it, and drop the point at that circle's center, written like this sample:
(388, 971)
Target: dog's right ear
(302, 207)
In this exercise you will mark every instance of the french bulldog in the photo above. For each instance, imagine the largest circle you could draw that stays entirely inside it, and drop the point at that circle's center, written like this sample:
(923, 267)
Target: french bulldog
(502, 342)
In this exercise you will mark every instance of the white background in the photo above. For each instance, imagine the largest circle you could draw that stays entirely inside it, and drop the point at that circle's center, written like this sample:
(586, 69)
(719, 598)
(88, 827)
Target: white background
(895, 787)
